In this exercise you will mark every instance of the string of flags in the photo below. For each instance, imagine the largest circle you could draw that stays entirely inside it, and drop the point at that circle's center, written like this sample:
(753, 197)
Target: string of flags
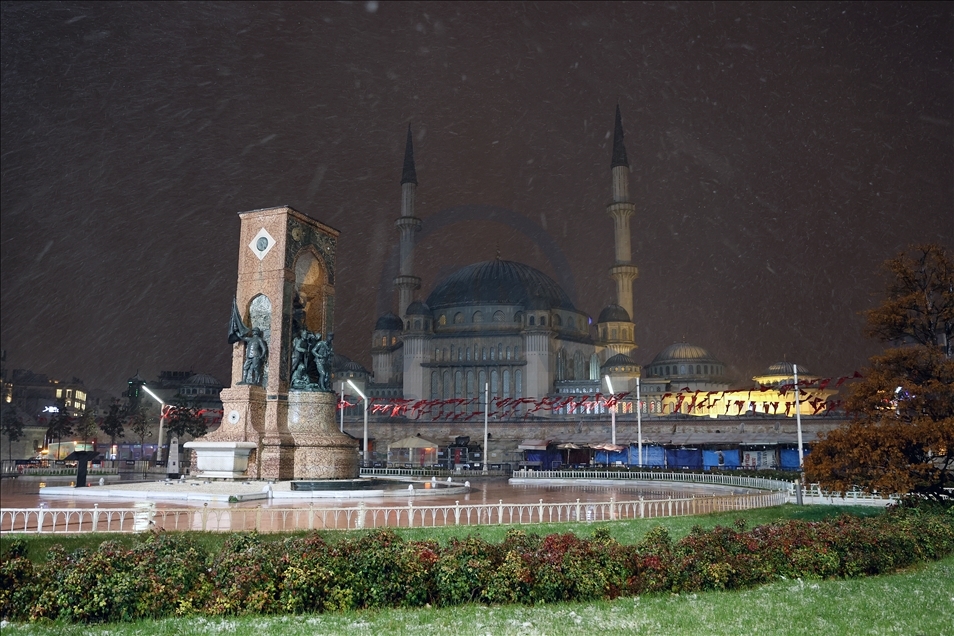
(459, 409)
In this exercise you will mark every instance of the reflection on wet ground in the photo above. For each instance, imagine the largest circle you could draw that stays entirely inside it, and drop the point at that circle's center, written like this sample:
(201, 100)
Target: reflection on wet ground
(24, 493)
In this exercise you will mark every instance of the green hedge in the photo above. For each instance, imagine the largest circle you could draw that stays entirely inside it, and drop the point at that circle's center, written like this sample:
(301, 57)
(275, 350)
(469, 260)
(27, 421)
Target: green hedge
(168, 574)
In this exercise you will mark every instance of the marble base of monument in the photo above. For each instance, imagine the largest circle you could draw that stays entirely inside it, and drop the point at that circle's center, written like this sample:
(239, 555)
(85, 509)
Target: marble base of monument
(221, 460)
(321, 451)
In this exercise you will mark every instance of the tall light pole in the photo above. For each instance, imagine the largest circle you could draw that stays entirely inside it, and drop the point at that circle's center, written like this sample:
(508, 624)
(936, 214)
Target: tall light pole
(801, 451)
(162, 421)
(639, 424)
(609, 383)
(342, 406)
(486, 410)
(365, 398)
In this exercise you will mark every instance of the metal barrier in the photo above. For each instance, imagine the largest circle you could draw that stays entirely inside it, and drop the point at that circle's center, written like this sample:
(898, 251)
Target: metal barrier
(759, 483)
(146, 516)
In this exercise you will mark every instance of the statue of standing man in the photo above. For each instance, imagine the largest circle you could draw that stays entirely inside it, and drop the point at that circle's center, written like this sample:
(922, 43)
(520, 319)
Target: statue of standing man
(256, 353)
(323, 353)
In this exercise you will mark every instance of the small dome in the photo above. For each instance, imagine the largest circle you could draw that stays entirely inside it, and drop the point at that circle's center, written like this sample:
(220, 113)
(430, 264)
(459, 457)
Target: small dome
(388, 322)
(683, 352)
(203, 379)
(613, 313)
(417, 308)
(342, 363)
(786, 369)
(619, 360)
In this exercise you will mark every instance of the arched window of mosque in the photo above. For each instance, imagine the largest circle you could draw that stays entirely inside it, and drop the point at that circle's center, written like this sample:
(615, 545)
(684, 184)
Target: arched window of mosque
(492, 351)
(506, 383)
(471, 385)
(467, 354)
(458, 318)
(442, 320)
(557, 321)
(531, 320)
(483, 353)
(508, 353)
(494, 383)
(518, 317)
(417, 324)
(478, 316)
(518, 379)
(705, 369)
(458, 384)
(481, 382)
(407, 326)
(384, 341)
(543, 321)
(613, 333)
(516, 351)
(435, 385)
(393, 340)
(698, 369)
(498, 316)
(446, 386)
(667, 370)
(460, 354)
(682, 369)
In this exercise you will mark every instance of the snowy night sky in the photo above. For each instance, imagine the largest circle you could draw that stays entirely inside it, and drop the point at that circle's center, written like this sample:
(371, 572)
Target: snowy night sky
(780, 153)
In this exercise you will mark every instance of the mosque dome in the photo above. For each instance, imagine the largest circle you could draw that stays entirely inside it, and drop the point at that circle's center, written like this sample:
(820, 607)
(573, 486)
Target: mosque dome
(785, 369)
(343, 364)
(203, 380)
(613, 313)
(417, 308)
(499, 282)
(684, 360)
(388, 322)
(619, 362)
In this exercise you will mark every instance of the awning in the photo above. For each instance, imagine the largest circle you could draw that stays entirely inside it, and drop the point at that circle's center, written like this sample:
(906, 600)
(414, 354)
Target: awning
(533, 444)
(614, 448)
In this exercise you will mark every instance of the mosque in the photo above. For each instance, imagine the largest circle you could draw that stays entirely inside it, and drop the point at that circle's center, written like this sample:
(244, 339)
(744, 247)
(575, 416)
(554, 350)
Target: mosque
(511, 328)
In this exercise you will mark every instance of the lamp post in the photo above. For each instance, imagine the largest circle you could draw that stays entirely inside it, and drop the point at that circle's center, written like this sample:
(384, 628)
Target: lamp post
(365, 398)
(639, 424)
(609, 383)
(342, 405)
(486, 410)
(801, 451)
(162, 421)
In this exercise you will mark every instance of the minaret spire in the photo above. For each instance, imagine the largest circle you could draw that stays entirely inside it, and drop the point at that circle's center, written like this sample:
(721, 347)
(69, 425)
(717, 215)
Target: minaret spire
(409, 175)
(407, 225)
(621, 209)
(619, 148)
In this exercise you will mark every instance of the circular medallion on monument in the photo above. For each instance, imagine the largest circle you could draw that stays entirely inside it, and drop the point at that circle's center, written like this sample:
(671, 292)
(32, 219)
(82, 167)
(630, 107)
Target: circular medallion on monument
(234, 417)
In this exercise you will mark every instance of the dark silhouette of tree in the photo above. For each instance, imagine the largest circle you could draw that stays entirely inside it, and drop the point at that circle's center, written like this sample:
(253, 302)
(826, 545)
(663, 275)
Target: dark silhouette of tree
(85, 427)
(112, 424)
(11, 425)
(184, 419)
(900, 439)
(61, 425)
(139, 425)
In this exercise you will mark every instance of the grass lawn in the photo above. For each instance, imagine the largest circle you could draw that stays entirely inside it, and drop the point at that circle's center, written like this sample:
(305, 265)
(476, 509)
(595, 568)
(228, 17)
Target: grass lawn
(626, 531)
(917, 601)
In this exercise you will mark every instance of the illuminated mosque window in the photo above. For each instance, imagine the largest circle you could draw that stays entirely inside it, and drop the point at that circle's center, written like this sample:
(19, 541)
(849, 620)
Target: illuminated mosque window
(442, 320)
(508, 353)
(483, 353)
(384, 341)
(682, 369)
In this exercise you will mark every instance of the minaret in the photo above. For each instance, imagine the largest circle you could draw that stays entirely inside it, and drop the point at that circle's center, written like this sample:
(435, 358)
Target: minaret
(623, 271)
(407, 225)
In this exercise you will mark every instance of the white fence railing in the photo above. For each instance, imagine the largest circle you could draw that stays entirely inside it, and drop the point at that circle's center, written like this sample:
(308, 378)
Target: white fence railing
(146, 516)
(759, 483)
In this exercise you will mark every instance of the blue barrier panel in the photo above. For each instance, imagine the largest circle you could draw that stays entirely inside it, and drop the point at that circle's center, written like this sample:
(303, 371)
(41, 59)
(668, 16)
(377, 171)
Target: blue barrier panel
(724, 458)
(789, 458)
(652, 455)
(684, 458)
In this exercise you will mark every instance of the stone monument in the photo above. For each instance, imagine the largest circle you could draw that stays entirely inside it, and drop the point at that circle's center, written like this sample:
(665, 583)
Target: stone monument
(279, 412)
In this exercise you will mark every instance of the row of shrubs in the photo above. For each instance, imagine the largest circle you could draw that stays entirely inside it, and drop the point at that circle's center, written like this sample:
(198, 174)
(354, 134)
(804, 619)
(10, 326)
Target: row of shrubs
(167, 574)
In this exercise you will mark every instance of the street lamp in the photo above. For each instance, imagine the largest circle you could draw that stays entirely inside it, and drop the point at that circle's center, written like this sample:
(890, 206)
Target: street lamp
(609, 383)
(486, 410)
(365, 398)
(801, 451)
(639, 424)
(162, 421)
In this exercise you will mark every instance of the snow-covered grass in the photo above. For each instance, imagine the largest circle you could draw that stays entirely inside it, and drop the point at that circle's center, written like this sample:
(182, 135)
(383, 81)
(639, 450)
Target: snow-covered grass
(917, 601)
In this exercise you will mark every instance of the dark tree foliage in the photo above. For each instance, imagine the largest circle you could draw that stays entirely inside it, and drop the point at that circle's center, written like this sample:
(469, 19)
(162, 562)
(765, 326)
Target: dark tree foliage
(139, 423)
(86, 427)
(11, 425)
(901, 435)
(61, 425)
(185, 419)
(112, 424)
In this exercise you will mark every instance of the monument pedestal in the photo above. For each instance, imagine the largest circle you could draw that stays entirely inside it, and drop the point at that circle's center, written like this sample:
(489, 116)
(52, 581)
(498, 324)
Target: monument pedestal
(321, 451)
(232, 450)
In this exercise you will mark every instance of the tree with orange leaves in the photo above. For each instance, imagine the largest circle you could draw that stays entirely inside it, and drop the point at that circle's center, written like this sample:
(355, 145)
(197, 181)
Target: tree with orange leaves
(900, 439)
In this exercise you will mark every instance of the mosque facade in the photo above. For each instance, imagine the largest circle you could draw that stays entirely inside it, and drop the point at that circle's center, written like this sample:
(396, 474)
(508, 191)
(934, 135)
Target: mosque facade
(510, 328)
